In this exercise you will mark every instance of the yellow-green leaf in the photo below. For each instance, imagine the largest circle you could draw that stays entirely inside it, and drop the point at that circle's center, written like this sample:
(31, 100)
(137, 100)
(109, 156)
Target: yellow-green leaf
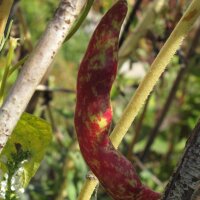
(23, 154)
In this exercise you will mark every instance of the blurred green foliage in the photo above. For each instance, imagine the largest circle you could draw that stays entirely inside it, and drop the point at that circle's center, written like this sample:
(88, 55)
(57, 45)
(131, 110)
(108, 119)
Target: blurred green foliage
(37, 14)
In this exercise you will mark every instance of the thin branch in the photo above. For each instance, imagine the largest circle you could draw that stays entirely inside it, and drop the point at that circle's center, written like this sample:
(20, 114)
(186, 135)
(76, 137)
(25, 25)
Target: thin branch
(136, 6)
(149, 81)
(36, 66)
(81, 19)
(144, 168)
(185, 182)
(138, 129)
(44, 88)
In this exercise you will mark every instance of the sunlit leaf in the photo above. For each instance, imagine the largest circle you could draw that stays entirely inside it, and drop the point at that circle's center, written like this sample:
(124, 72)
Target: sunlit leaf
(23, 154)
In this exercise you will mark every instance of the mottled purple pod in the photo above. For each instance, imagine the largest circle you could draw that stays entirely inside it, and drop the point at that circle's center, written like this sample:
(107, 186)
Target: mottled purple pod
(93, 114)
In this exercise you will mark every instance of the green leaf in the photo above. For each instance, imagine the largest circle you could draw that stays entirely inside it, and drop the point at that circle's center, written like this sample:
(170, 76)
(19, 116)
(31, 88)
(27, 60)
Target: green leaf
(23, 153)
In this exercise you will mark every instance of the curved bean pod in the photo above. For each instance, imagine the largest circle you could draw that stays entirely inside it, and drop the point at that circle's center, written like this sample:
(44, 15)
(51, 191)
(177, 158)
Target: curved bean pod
(93, 113)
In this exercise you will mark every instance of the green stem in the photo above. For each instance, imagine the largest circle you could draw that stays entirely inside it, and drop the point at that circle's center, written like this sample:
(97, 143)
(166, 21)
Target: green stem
(156, 69)
(80, 20)
(13, 44)
(16, 66)
(3, 83)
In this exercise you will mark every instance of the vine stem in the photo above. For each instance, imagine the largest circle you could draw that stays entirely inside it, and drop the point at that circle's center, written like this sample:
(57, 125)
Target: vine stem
(12, 46)
(80, 19)
(5, 6)
(148, 83)
(130, 20)
(36, 66)
(88, 188)
(156, 69)
(17, 65)
(180, 75)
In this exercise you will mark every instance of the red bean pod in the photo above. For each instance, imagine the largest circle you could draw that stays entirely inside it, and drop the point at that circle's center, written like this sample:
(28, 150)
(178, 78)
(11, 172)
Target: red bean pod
(93, 113)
